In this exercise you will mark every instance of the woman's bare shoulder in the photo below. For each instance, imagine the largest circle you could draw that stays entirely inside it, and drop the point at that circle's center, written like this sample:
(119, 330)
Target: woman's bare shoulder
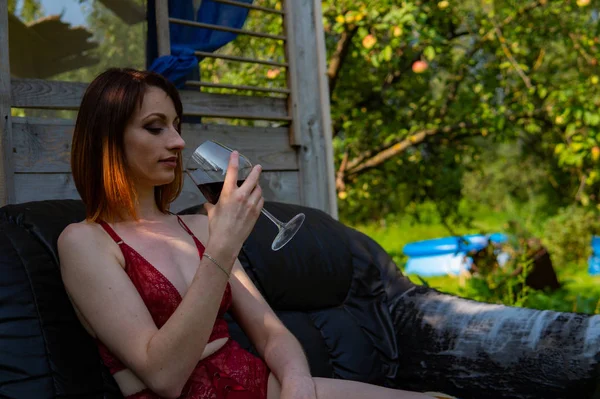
(76, 233)
(84, 239)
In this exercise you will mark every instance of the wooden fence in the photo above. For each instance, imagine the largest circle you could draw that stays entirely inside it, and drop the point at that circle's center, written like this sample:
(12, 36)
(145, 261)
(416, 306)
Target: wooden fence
(294, 148)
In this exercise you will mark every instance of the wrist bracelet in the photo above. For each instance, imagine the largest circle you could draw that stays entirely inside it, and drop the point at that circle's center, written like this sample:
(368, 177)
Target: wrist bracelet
(216, 263)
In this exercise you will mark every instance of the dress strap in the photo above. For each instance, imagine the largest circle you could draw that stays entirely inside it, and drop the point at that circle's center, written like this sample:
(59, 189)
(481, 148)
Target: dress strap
(111, 232)
(182, 224)
(196, 240)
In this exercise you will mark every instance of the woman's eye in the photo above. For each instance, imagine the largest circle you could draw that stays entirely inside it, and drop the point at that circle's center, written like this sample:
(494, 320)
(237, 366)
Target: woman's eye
(154, 130)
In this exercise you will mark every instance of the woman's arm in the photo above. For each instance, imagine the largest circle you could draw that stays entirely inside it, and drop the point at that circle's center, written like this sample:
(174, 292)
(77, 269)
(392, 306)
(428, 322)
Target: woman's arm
(109, 302)
(107, 299)
(273, 341)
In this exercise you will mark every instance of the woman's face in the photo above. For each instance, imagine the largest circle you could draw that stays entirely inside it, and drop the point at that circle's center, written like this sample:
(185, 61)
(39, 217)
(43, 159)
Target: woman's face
(152, 143)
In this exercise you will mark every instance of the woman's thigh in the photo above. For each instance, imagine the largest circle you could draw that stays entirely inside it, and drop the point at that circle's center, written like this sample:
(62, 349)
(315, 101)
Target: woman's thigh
(344, 389)
(273, 387)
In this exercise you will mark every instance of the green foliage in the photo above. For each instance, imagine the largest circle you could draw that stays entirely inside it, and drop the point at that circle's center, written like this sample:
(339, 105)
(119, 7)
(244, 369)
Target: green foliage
(568, 234)
(522, 73)
(28, 10)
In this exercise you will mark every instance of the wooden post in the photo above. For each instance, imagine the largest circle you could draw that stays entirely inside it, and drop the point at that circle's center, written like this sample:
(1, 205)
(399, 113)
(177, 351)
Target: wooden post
(309, 103)
(6, 174)
(325, 108)
(163, 39)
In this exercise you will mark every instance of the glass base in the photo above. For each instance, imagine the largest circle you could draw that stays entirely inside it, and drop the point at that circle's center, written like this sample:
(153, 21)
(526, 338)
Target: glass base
(287, 232)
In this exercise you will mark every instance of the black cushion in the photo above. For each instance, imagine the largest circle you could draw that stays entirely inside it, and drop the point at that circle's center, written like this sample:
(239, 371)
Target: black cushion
(44, 350)
(354, 313)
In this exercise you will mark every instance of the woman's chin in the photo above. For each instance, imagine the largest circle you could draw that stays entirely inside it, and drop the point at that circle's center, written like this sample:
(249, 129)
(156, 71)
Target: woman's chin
(164, 179)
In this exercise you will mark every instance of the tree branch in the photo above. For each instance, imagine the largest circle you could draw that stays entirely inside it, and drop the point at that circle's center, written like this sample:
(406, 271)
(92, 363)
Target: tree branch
(414, 139)
(338, 57)
(339, 178)
(511, 59)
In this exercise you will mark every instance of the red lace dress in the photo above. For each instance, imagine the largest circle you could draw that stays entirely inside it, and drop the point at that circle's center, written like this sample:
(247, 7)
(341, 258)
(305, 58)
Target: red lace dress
(231, 372)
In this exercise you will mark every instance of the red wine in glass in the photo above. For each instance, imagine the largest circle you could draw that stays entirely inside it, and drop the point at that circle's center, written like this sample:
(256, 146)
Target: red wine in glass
(212, 191)
(207, 167)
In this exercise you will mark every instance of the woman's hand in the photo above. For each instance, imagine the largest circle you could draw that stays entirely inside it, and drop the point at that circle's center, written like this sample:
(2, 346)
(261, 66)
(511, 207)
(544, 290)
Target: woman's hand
(298, 388)
(231, 220)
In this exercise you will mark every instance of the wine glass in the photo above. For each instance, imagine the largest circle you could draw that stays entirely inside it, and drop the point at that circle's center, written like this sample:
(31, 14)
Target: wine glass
(207, 168)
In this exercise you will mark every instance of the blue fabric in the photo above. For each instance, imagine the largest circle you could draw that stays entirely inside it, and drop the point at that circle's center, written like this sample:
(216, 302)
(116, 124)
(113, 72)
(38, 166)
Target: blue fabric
(182, 63)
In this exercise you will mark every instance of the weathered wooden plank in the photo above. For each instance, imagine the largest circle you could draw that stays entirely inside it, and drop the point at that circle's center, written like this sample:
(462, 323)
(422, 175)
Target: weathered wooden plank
(325, 108)
(308, 96)
(296, 137)
(37, 93)
(276, 186)
(232, 106)
(6, 173)
(163, 40)
(44, 145)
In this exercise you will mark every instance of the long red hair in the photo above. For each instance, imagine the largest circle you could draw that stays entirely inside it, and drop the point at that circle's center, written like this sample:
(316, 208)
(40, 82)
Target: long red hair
(97, 154)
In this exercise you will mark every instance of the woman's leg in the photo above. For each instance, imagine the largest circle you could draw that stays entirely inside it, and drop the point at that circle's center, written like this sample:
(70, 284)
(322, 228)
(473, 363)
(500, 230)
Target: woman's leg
(344, 389)
(328, 388)
(273, 387)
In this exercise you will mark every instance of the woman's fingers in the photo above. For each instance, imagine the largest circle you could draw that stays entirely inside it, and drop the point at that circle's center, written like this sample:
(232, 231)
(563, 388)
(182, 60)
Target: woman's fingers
(255, 198)
(251, 181)
(231, 175)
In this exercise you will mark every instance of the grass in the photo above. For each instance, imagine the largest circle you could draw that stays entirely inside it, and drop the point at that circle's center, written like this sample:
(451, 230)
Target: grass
(580, 292)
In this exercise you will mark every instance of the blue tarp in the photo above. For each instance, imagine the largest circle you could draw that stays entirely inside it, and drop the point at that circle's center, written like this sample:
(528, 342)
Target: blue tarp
(594, 260)
(182, 64)
(448, 255)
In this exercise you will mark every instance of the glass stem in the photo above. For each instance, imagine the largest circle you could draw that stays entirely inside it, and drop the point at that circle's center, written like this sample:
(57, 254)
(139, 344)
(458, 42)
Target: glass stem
(272, 218)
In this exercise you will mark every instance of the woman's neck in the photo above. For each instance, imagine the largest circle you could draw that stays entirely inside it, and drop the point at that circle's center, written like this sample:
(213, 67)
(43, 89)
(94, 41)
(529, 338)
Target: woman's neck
(146, 207)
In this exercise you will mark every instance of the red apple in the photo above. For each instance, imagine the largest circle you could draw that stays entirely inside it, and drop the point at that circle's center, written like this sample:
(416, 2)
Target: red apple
(419, 66)
(369, 41)
(595, 153)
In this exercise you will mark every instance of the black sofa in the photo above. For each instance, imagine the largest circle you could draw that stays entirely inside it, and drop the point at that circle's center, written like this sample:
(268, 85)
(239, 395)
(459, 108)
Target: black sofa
(339, 293)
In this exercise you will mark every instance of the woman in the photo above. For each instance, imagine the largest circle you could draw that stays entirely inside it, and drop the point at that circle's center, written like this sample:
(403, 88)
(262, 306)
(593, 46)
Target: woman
(152, 287)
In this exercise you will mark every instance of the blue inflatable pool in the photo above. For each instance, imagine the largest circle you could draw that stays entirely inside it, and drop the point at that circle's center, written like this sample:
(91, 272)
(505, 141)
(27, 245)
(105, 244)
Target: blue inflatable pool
(594, 260)
(447, 255)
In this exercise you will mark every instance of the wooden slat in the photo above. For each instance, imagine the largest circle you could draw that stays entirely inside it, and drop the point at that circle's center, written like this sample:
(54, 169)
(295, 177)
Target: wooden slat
(225, 29)
(162, 27)
(296, 137)
(236, 87)
(44, 145)
(250, 6)
(232, 106)
(276, 186)
(6, 173)
(325, 108)
(37, 93)
(240, 59)
(308, 126)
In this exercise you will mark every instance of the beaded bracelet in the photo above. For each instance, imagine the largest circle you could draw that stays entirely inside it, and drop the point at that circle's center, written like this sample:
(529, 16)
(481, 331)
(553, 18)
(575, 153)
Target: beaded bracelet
(216, 263)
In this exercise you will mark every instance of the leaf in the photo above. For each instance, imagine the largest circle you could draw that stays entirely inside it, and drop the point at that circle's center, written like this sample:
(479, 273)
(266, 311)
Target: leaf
(591, 119)
(429, 53)
(387, 53)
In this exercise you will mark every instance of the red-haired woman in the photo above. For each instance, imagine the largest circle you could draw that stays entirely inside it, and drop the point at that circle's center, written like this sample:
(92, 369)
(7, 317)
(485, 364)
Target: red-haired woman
(152, 287)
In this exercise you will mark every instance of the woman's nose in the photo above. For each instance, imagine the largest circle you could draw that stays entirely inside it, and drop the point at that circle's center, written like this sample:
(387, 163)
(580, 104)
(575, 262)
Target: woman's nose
(176, 141)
